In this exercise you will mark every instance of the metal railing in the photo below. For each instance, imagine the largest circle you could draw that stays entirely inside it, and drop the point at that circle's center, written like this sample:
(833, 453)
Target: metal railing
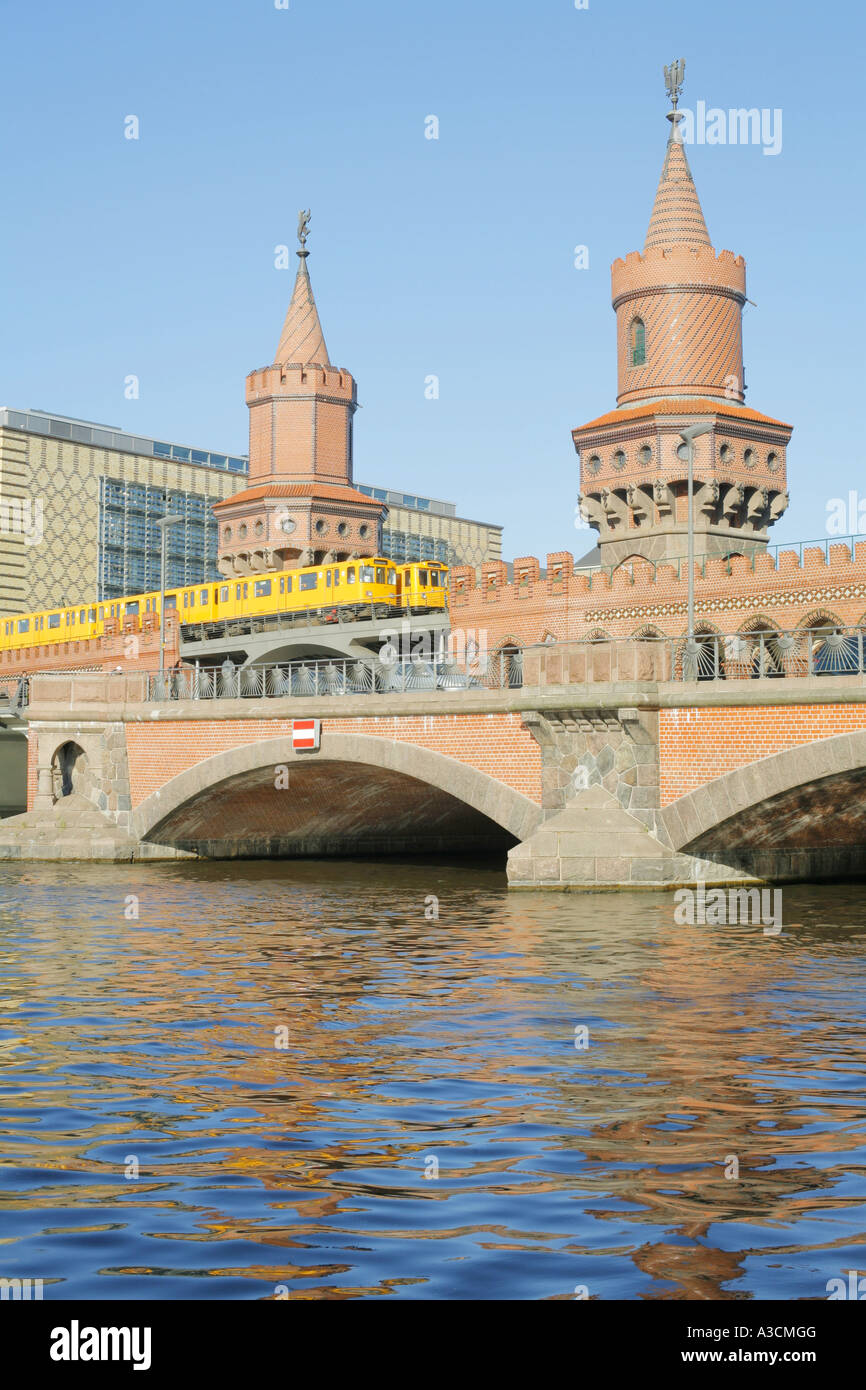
(636, 570)
(328, 616)
(770, 655)
(15, 691)
(335, 677)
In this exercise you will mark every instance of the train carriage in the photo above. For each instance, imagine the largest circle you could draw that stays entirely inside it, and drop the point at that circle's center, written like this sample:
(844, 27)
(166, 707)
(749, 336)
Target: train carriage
(372, 587)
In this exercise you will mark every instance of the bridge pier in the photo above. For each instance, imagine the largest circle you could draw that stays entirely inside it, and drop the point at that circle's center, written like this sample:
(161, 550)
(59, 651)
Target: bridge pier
(601, 792)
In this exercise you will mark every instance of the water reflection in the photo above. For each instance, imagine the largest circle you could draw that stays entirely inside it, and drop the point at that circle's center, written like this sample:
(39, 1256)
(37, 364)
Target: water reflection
(152, 1042)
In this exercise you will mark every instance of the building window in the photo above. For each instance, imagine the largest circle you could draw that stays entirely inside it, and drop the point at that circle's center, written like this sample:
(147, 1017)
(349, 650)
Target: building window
(619, 460)
(321, 527)
(638, 343)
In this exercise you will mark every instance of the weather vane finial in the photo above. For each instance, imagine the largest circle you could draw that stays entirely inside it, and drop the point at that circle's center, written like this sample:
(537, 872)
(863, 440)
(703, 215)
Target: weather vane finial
(303, 231)
(674, 80)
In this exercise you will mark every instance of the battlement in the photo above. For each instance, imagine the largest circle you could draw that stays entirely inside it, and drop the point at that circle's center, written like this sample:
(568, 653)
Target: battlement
(712, 574)
(299, 379)
(678, 267)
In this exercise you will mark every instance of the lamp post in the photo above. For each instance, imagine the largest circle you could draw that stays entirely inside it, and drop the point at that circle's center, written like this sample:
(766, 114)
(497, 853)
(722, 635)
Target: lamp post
(171, 519)
(688, 437)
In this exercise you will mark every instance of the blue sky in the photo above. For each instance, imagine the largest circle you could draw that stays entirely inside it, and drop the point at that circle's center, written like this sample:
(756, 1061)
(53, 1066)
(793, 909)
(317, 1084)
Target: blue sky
(451, 257)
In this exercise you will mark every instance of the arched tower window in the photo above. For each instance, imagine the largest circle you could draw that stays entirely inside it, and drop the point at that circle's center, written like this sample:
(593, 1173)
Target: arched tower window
(637, 345)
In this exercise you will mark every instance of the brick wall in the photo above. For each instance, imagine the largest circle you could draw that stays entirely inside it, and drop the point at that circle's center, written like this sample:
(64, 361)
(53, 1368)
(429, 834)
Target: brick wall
(697, 745)
(496, 744)
(787, 593)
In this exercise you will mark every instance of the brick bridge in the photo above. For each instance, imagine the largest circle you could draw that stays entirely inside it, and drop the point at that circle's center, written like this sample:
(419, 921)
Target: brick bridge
(603, 769)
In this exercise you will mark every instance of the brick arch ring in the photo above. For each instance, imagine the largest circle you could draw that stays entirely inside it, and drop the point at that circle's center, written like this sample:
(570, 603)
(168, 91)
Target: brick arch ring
(508, 808)
(702, 810)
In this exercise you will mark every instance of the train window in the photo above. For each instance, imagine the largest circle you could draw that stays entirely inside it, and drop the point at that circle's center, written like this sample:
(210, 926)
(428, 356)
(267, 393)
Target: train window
(392, 578)
(367, 573)
(246, 589)
(82, 615)
(91, 615)
(288, 583)
(237, 591)
(224, 594)
(282, 584)
(202, 598)
(68, 616)
(380, 574)
(171, 600)
(185, 599)
(434, 579)
(113, 606)
(262, 588)
(101, 615)
(328, 579)
(132, 608)
(308, 581)
(350, 575)
(23, 624)
(422, 578)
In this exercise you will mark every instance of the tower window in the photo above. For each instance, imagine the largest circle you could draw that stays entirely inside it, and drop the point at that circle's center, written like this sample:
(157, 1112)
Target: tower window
(638, 343)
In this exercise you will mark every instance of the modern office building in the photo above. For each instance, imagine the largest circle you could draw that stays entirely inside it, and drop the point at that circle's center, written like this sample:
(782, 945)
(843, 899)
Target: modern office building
(423, 528)
(79, 504)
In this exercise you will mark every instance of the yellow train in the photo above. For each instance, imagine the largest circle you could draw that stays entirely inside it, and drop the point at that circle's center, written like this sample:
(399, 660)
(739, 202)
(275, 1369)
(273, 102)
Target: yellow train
(374, 587)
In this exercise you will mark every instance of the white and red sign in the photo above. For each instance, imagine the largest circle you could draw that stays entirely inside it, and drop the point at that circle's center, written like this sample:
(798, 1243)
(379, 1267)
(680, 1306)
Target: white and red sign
(306, 733)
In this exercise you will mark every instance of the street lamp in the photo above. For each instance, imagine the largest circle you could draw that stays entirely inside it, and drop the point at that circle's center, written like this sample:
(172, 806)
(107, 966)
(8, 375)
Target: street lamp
(163, 523)
(688, 437)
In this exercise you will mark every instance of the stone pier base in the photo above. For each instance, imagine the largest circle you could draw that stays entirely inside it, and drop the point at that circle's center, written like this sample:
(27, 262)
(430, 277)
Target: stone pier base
(595, 844)
(74, 829)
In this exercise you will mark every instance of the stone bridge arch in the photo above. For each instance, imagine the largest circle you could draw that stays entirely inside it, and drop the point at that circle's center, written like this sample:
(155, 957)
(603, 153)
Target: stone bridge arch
(800, 811)
(193, 811)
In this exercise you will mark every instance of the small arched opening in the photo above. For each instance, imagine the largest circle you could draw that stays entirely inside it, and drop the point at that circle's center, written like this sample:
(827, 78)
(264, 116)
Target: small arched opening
(68, 770)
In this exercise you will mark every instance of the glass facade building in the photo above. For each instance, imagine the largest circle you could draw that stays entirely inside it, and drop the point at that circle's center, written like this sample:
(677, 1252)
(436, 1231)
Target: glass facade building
(129, 538)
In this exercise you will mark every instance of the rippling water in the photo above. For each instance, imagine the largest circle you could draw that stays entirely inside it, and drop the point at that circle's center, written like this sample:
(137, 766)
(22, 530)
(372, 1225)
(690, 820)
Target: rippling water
(419, 1047)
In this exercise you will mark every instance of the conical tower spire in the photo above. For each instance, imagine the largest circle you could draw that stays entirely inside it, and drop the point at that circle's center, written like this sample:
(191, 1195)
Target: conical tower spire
(677, 218)
(678, 308)
(302, 339)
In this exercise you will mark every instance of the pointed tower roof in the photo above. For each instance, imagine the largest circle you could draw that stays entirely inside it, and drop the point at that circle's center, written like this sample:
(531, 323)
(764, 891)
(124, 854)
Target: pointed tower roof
(677, 218)
(302, 339)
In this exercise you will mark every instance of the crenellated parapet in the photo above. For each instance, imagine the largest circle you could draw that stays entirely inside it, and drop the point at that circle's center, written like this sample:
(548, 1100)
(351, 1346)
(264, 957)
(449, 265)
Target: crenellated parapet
(824, 585)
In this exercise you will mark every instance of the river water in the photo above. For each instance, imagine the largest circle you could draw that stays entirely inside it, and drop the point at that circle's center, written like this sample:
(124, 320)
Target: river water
(533, 1096)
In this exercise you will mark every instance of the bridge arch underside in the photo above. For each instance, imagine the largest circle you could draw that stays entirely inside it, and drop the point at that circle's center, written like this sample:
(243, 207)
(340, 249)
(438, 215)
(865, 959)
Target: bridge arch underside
(287, 805)
(812, 828)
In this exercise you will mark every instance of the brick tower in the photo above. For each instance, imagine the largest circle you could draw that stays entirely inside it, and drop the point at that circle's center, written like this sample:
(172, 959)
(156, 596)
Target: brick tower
(679, 310)
(300, 507)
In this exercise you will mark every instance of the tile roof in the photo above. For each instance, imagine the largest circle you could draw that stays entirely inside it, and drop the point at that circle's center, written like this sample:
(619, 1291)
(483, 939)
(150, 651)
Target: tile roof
(680, 405)
(313, 489)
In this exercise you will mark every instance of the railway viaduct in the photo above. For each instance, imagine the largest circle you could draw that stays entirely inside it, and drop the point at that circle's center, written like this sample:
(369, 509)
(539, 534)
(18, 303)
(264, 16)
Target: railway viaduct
(602, 770)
